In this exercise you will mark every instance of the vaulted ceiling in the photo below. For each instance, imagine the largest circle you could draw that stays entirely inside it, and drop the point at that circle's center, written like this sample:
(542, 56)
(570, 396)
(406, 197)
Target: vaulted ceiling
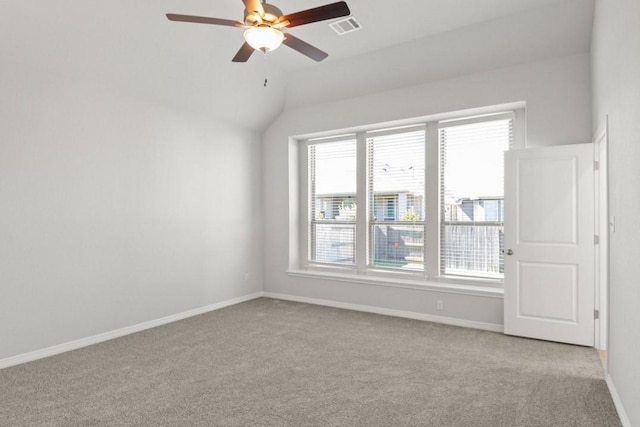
(131, 47)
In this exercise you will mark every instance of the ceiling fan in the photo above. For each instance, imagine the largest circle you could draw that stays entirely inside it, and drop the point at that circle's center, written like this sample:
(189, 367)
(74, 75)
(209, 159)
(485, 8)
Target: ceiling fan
(264, 23)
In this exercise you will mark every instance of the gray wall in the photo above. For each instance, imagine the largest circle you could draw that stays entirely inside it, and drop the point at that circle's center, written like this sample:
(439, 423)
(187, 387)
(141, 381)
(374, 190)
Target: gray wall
(116, 211)
(557, 96)
(616, 93)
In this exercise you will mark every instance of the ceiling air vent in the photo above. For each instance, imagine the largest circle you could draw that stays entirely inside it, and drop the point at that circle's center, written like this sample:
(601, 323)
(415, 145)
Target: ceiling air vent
(345, 26)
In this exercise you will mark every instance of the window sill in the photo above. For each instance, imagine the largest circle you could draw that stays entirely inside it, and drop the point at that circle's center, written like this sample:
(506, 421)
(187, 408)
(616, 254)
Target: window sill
(465, 286)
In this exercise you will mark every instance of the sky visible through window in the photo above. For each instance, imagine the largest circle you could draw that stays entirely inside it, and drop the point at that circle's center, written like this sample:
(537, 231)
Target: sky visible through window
(474, 159)
(398, 163)
(474, 163)
(336, 168)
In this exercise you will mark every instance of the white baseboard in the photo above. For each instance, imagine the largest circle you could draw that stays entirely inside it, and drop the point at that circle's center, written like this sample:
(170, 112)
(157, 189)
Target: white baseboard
(390, 312)
(624, 419)
(95, 339)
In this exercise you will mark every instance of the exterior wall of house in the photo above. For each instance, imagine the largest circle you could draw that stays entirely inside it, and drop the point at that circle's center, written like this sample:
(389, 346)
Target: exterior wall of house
(616, 92)
(557, 97)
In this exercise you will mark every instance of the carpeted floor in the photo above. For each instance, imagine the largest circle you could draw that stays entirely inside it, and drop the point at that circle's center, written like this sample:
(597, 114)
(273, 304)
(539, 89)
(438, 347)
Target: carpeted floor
(274, 363)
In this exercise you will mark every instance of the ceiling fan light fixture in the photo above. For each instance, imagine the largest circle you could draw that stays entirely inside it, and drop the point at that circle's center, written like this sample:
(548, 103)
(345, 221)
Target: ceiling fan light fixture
(264, 38)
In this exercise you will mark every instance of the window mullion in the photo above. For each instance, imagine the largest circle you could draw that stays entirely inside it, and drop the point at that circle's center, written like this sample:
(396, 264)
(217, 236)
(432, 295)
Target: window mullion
(432, 202)
(362, 223)
(307, 192)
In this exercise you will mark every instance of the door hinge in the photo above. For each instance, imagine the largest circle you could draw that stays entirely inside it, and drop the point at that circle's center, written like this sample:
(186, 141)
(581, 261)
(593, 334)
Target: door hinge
(596, 165)
(596, 314)
(596, 240)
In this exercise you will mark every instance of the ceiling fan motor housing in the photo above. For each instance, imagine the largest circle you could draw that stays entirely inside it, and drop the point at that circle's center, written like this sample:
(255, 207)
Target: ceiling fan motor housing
(271, 15)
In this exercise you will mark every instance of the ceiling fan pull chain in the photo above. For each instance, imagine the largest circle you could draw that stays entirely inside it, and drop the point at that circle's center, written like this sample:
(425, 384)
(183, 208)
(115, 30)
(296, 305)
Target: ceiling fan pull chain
(265, 69)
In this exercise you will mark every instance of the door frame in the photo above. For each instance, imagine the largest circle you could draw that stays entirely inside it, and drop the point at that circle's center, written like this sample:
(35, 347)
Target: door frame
(603, 225)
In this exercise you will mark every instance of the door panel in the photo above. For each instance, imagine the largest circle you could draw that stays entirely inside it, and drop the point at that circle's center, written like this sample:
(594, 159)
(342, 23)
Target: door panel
(547, 291)
(549, 228)
(544, 223)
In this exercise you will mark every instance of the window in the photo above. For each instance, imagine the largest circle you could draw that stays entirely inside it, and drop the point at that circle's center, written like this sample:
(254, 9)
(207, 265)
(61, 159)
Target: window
(430, 197)
(332, 167)
(396, 188)
(472, 197)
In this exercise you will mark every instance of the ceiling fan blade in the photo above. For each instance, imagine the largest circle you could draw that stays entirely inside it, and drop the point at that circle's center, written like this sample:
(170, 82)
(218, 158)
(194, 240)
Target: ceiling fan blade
(304, 48)
(204, 20)
(322, 13)
(244, 53)
(254, 6)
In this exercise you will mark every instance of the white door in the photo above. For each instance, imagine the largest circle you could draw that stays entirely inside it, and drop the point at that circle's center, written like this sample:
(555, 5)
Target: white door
(549, 243)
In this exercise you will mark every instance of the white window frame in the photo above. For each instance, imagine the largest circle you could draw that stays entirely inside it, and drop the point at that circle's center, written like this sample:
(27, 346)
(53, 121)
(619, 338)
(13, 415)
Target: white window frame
(361, 272)
(510, 115)
(366, 224)
(310, 209)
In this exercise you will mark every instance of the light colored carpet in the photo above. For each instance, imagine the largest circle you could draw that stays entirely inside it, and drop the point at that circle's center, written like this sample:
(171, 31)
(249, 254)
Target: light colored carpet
(275, 363)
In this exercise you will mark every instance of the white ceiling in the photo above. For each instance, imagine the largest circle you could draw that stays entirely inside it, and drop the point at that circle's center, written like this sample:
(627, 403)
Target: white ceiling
(130, 45)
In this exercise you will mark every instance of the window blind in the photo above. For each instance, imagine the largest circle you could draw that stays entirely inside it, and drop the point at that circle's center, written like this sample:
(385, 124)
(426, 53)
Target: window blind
(396, 175)
(472, 196)
(332, 211)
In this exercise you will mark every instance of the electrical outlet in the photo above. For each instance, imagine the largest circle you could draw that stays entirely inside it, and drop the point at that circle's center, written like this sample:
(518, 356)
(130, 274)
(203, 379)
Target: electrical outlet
(439, 305)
